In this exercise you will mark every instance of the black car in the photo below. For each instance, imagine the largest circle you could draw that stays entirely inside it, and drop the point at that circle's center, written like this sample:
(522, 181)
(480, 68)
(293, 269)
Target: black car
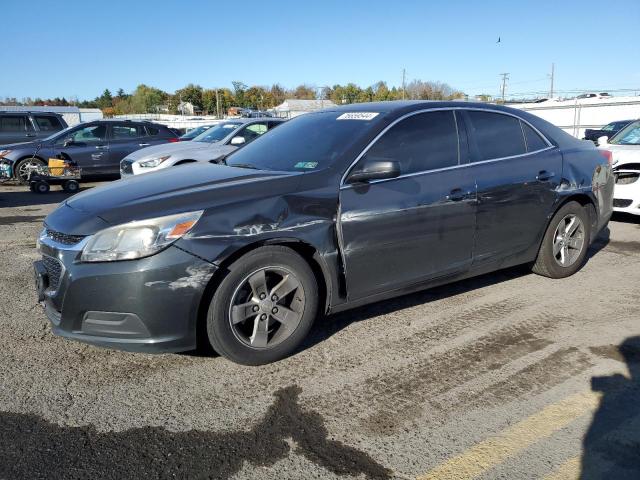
(97, 147)
(18, 127)
(609, 130)
(329, 211)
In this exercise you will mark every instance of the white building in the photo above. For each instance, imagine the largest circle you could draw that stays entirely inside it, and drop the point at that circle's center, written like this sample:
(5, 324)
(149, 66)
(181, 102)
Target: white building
(293, 107)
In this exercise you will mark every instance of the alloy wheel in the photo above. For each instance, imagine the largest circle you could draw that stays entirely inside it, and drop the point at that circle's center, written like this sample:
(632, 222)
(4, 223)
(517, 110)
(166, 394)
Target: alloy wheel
(568, 240)
(25, 168)
(267, 307)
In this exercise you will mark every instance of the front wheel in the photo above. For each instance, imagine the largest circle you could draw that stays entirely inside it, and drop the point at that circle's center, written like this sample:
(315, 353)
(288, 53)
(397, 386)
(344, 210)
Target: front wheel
(264, 307)
(565, 243)
(24, 168)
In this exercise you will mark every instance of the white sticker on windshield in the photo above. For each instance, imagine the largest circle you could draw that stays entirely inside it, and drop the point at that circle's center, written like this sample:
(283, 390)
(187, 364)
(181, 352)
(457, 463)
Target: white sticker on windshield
(358, 116)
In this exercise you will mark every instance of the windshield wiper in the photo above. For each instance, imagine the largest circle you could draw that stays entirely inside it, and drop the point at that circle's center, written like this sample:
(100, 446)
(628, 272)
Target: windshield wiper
(243, 165)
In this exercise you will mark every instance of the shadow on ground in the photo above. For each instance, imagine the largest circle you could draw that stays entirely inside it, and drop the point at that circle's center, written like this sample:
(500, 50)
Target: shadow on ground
(612, 443)
(35, 448)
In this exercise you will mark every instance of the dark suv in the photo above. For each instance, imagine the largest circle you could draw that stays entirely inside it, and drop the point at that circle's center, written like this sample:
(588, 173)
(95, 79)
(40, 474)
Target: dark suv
(96, 146)
(28, 126)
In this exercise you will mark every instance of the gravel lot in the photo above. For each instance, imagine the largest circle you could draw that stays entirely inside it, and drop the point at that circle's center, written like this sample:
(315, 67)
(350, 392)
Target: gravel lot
(495, 377)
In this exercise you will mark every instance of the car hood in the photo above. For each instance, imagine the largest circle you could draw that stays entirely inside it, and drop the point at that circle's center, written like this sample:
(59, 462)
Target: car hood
(179, 148)
(19, 146)
(193, 187)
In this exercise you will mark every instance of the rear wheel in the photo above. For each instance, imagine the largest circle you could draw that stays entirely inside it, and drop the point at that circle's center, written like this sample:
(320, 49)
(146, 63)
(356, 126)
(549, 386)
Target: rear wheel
(565, 243)
(264, 307)
(24, 167)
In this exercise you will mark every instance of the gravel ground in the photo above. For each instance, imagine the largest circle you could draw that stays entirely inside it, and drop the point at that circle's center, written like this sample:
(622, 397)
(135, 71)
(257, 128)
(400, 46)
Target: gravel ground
(509, 375)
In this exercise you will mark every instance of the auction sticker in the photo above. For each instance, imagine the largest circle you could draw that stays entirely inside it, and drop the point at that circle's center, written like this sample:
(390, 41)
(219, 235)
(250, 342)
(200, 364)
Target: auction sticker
(358, 116)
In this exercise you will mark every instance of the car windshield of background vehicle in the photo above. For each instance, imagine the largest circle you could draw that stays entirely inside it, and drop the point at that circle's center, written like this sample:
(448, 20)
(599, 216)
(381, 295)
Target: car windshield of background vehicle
(312, 141)
(628, 136)
(217, 133)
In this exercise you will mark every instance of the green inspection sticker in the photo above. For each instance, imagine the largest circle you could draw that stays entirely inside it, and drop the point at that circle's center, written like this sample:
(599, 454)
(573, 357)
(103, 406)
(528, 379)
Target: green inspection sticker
(306, 165)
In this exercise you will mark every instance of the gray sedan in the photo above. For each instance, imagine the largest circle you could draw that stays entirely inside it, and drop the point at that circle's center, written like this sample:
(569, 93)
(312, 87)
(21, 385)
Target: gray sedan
(212, 144)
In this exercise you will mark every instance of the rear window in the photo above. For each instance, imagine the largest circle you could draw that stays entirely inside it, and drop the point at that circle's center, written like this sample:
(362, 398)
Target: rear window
(534, 141)
(496, 135)
(47, 123)
(12, 123)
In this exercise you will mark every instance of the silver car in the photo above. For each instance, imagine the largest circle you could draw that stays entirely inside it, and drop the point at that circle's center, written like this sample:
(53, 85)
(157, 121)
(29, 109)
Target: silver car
(210, 145)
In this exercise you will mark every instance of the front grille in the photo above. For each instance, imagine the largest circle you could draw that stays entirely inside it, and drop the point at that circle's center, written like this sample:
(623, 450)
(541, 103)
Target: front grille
(624, 178)
(63, 238)
(619, 203)
(125, 167)
(54, 271)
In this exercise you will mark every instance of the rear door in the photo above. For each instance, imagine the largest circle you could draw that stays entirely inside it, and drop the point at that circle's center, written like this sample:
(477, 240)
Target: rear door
(517, 173)
(15, 128)
(402, 231)
(124, 139)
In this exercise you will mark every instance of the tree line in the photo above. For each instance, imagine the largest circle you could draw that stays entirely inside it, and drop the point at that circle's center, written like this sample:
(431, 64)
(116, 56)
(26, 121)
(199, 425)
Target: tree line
(210, 101)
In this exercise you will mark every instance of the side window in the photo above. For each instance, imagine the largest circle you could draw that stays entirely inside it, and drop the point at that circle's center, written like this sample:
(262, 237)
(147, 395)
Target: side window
(252, 131)
(126, 132)
(496, 135)
(12, 123)
(47, 123)
(88, 134)
(426, 141)
(152, 131)
(534, 141)
(273, 125)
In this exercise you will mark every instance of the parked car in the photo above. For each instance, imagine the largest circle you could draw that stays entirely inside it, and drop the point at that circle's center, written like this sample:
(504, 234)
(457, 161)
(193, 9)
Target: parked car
(609, 130)
(331, 210)
(194, 132)
(97, 147)
(625, 151)
(210, 145)
(18, 127)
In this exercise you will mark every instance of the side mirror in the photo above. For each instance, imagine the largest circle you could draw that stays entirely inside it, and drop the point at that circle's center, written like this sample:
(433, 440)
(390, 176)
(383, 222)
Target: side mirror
(375, 170)
(603, 140)
(237, 140)
(68, 141)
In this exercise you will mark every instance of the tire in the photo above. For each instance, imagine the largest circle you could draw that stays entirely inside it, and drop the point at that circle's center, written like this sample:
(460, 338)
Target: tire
(572, 247)
(42, 187)
(71, 186)
(32, 186)
(20, 168)
(244, 341)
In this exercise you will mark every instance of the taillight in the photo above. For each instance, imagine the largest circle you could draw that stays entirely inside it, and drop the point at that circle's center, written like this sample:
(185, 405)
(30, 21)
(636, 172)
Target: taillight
(174, 140)
(608, 155)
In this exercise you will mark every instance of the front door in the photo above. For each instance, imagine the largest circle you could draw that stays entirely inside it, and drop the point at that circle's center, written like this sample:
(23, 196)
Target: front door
(125, 138)
(402, 231)
(87, 146)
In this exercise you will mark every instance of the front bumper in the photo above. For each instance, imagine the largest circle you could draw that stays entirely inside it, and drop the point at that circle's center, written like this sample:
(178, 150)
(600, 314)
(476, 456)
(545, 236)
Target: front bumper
(626, 198)
(145, 305)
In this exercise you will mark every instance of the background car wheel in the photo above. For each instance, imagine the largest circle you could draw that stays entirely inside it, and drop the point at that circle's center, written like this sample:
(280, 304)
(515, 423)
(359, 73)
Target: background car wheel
(42, 187)
(565, 243)
(24, 166)
(264, 307)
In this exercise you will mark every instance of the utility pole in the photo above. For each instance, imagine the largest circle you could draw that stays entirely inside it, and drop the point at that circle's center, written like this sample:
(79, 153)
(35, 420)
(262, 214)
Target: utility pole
(403, 82)
(505, 77)
(218, 103)
(553, 67)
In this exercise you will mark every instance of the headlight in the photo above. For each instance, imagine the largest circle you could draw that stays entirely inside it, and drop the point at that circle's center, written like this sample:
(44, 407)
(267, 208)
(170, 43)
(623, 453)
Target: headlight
(4, 153)
(138, 239)
(154, 162)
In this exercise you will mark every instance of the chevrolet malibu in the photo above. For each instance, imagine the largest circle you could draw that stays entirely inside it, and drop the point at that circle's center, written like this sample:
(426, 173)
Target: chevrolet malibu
(330, 211)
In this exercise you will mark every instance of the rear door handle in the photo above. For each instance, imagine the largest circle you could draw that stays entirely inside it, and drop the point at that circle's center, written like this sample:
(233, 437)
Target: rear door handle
(30, 135)
(102, 147)
(144, 144)
(544, 176)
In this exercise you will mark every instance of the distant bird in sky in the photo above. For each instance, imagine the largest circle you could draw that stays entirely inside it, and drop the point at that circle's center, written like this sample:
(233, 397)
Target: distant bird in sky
(498, 40)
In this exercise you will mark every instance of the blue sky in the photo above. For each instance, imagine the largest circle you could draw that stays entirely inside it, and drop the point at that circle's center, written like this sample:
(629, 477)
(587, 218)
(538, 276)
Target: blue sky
(78, 48)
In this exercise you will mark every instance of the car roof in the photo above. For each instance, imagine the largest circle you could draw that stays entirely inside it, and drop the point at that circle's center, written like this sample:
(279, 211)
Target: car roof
(28, 112)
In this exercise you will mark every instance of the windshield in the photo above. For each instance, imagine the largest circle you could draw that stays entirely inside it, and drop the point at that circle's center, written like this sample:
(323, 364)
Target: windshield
(217, 133)
(309, 142)
(194, 132)
(628, 136)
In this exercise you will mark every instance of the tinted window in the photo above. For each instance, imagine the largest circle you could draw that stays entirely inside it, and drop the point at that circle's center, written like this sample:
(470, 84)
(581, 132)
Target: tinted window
(534, 141)
(496, 135)
(12, 123)
(152, 131)
(125, 132)
(47, 123)
(426, 141)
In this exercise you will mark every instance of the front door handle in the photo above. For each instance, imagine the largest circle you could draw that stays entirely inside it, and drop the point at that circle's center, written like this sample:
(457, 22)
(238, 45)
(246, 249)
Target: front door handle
(144, 144)
(456, 195)
(102, 147)
(30, 135)
(544, 176)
